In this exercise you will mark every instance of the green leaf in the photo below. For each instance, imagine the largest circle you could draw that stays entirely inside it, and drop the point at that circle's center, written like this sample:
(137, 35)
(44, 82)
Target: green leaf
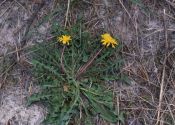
(111, 78)
(104, 112)
(121, 117)
(100, 107)
(37, 97)
(85, 58)
(125, 79)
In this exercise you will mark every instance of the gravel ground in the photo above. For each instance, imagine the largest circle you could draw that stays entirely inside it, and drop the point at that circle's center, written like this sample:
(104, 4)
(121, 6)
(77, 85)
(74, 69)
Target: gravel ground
(146, 29)
(14, 110)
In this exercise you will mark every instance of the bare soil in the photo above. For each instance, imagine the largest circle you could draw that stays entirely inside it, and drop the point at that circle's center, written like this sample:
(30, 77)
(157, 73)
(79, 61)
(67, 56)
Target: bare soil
(145, 28)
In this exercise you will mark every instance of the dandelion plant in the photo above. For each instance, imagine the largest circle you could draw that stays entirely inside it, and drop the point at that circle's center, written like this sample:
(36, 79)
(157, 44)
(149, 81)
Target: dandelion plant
(75, 76)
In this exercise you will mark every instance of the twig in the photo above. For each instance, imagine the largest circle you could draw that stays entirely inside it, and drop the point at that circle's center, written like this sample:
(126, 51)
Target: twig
(50, 37)
(171, 3)
(4, 74)
(127, 13)
(171, 112)
(17, 53)
(2, 2)
(19, 39)
(20, 4)
(118, 105)
(106, 3)
(6, 9)
(29, 24)
(163, 75)
(67, 12)
(3, 81)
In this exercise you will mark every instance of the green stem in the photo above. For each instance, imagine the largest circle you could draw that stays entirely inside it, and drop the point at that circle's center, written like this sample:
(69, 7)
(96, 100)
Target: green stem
(90, 91)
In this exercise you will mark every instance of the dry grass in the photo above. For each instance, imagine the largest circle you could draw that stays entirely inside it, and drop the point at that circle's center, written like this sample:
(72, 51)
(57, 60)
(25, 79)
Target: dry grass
(146, 31)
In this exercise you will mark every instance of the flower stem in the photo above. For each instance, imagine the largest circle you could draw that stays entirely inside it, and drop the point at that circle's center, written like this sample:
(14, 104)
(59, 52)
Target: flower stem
(82, 69)
(62, 64)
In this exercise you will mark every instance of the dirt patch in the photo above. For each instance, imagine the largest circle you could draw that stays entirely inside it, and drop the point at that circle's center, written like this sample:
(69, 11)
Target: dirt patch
(141, 27)
(14, 19)
(14, 110)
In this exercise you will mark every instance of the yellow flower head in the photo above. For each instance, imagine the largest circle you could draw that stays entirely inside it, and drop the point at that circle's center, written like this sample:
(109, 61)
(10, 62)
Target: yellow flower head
(64, 39)
(107, 40)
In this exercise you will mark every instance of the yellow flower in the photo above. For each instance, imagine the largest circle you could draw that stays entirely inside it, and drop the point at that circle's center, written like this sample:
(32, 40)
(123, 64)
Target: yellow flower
(64, 39)
(107, 40)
